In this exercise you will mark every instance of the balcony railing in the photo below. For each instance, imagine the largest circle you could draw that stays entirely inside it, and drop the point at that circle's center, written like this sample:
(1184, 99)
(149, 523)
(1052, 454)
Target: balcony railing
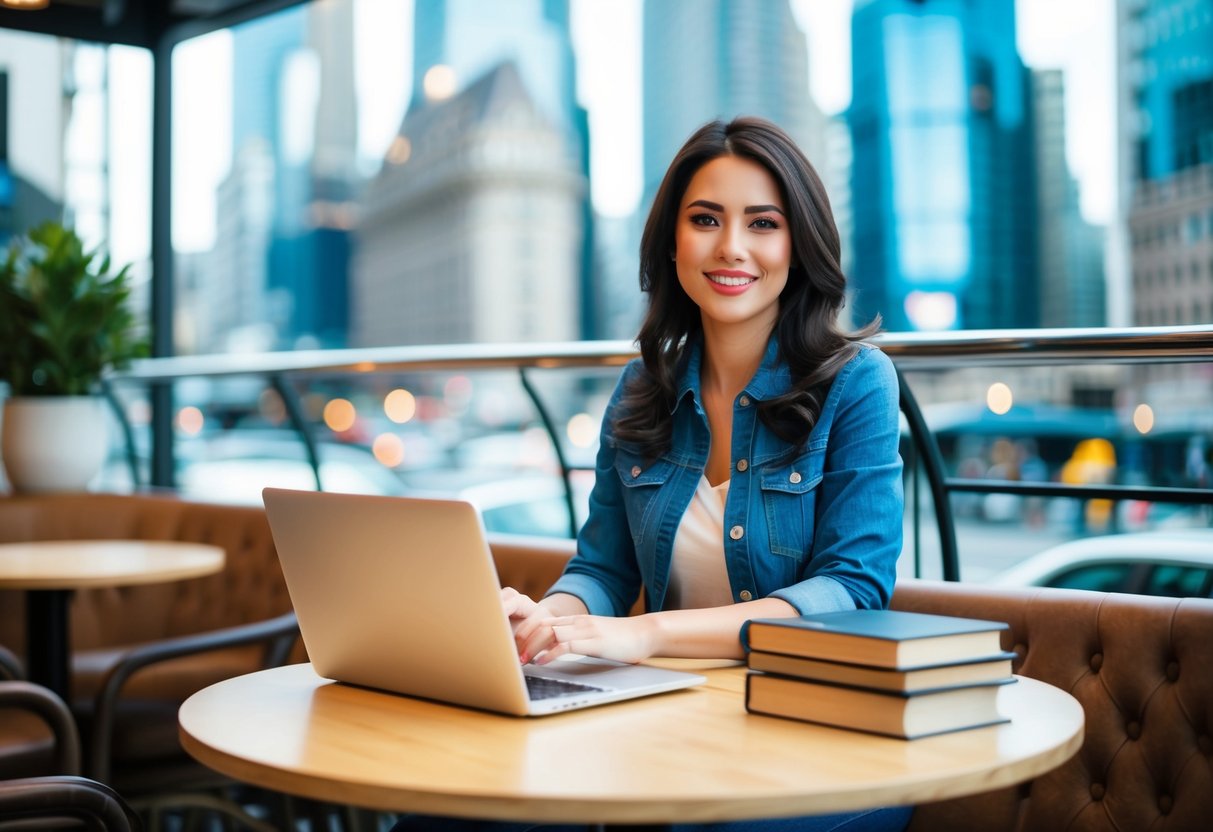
(914, 354)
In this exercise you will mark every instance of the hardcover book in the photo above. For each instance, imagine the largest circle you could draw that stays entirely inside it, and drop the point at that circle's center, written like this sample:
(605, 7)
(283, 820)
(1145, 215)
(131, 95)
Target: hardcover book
(986, 669)
(882, 638)
(907, 716)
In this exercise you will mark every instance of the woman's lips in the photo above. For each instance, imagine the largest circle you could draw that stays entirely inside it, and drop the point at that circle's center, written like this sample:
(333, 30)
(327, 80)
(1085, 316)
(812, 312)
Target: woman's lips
(729, 282)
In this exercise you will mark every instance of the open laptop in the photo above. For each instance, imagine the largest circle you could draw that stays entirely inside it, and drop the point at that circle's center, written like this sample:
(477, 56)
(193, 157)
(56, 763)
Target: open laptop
(401, 594)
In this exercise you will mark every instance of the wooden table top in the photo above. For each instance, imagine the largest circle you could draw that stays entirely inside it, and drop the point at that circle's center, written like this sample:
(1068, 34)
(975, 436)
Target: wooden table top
(691, 755)
(78, 564)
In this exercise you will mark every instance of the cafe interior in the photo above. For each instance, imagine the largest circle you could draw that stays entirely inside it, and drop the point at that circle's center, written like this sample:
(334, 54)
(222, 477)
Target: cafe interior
(152, 669)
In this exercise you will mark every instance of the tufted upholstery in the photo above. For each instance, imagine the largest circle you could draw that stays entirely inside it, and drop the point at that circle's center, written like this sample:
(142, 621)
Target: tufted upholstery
(1142, 668)
(107, 623)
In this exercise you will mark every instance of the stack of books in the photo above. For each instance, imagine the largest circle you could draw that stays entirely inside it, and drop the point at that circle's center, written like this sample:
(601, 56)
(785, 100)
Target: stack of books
(902, 674)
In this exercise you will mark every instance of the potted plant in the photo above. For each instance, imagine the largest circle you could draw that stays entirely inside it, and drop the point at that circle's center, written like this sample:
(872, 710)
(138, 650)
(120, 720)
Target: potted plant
(65, 320)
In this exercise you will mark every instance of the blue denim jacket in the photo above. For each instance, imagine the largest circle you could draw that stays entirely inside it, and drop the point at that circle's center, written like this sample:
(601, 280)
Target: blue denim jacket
(820, 529)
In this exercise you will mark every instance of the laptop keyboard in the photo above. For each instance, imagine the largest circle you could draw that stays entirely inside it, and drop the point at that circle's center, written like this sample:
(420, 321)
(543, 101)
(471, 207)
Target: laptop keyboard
(541, 687)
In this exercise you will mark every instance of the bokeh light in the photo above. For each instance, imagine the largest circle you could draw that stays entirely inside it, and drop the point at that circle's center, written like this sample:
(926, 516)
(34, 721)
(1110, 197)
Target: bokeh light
(581, 430)
(999, 398)
(190, 420)
(388, 448)
(1143, 418)
(400, 406)
(339, 415)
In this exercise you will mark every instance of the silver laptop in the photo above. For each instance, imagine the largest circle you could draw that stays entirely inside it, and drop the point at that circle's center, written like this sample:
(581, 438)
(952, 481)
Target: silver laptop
(400, 594)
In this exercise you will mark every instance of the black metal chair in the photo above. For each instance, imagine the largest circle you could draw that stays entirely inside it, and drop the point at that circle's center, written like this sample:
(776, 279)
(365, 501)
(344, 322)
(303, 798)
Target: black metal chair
(61, 799)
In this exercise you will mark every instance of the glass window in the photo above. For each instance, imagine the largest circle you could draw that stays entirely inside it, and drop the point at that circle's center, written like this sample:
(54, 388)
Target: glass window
(1177, 581)
(1102, 577)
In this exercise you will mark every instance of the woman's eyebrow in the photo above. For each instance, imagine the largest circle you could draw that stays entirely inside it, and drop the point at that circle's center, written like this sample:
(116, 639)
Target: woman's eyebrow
(749, 209)
(762, 209)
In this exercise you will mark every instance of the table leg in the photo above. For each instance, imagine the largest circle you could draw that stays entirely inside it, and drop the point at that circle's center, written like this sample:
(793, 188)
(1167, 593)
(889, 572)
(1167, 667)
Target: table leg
(47, 639)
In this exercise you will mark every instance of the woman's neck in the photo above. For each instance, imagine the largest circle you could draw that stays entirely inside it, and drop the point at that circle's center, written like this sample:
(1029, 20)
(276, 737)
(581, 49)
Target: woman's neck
(731, 356)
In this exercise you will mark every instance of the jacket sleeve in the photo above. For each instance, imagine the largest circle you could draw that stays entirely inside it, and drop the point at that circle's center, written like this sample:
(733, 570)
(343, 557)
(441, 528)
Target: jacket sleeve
(604, 573)
(860, 502)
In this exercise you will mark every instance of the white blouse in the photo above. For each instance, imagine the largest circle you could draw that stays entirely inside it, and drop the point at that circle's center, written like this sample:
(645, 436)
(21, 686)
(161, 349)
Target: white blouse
(698, 577)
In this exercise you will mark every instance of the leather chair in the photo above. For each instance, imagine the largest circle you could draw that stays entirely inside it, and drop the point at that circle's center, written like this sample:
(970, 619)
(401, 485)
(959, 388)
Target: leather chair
(40, 799)
(138, 652)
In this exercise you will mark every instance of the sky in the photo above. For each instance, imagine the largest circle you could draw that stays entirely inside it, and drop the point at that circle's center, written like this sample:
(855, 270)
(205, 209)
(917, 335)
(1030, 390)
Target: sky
(1076, 36)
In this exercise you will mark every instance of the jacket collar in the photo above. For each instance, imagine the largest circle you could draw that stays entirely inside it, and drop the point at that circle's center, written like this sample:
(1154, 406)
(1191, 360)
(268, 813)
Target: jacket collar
(772, 378)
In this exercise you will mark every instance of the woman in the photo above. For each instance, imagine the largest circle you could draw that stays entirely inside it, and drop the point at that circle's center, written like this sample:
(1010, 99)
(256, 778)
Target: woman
(748, 465)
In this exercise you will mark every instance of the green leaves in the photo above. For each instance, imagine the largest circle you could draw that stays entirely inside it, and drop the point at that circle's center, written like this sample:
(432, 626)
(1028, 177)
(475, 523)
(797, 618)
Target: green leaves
(64, 318)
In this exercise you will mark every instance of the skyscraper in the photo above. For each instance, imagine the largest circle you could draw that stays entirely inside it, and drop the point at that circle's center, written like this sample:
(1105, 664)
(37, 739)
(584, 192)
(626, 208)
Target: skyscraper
(456, 42)
(721, 59)
(1166, 144)
(471, 230)
(942, 179)
(291, 182)
(1070, 249)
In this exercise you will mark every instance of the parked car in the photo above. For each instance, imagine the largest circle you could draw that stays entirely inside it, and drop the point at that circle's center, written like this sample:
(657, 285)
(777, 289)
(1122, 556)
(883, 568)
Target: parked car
(1175, 563)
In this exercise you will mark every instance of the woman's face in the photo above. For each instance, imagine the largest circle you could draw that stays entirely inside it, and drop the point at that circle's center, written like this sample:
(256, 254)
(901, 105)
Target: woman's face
(732, 246)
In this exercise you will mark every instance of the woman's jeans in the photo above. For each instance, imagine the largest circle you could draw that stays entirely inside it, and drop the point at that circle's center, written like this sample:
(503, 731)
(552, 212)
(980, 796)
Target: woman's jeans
(893, 819)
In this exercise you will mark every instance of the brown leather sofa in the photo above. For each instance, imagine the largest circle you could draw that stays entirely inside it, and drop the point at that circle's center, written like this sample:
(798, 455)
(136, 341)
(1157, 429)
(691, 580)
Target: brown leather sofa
(1142, 668)
(138, 651)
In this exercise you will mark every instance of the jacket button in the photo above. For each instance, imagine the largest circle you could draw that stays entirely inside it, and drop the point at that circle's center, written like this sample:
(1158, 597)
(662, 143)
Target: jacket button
(736, 532)
(635, 471)
(745, 595)
(742, 464)
(744, 401)
(794, 478)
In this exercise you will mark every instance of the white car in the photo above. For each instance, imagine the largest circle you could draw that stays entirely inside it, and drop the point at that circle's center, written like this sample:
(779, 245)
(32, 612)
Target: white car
(1175, 563)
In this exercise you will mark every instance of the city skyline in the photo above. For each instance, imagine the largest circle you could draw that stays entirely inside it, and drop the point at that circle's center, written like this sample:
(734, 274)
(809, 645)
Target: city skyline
(606, 40)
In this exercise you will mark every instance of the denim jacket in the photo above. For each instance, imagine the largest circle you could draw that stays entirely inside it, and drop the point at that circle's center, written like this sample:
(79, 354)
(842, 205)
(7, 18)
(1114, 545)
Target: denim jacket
(821, 528)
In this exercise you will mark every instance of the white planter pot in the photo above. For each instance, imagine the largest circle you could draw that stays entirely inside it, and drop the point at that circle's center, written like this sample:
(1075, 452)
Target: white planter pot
(53, 443)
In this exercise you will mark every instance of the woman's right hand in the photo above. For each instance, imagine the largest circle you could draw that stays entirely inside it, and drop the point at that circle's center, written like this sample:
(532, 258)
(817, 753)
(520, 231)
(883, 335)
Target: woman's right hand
(530, 619)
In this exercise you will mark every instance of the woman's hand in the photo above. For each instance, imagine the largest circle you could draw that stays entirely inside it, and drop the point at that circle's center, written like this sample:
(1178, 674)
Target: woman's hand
(558, 625)
(628, 639)
(530, 619)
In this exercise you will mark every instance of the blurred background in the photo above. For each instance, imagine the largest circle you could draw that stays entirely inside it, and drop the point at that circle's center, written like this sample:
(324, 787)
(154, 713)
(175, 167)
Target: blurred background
(366, 173)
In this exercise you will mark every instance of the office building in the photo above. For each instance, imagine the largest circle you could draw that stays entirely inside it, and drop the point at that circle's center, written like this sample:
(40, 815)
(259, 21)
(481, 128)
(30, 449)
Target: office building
(942, 182)
(1071, 250)
(286, 204)
(458, 41)
(472, 229)
(758, 66)
(1166, 138)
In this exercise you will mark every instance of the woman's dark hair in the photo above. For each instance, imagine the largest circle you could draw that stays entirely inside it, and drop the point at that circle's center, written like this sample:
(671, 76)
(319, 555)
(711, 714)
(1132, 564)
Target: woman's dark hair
(809, 338)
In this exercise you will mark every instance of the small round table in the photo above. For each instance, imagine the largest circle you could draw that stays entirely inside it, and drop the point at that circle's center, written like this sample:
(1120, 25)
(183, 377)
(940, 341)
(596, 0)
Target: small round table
(693, 755)
(49, 570)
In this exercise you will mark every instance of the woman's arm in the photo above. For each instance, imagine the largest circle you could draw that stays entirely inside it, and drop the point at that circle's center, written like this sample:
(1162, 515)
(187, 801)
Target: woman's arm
(857, 536)
(712, 632)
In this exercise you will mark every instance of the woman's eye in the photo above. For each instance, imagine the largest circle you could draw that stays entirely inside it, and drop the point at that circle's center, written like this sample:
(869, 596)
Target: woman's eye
(764, 223)
(703, 219)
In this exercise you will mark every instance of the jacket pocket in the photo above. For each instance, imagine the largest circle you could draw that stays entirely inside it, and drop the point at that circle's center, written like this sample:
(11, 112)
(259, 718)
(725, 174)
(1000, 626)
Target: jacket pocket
(642, 480)
(789, 499)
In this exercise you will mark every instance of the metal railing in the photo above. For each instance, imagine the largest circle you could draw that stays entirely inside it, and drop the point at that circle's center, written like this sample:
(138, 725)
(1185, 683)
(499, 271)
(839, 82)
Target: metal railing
(909, 351)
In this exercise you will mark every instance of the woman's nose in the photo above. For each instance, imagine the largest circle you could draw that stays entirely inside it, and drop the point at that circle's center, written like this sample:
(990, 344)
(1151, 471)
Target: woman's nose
(731, 248)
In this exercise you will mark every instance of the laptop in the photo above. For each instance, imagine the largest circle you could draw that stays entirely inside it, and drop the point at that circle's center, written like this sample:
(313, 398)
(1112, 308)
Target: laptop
(401, 594)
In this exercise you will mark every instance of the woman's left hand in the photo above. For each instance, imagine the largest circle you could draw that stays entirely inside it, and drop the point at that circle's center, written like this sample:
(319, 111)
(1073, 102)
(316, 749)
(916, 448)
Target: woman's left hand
(629, 639)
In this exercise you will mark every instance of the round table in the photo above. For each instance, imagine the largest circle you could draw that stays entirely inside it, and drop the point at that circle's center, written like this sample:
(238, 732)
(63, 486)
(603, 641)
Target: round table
(692, 755)
(50, 569)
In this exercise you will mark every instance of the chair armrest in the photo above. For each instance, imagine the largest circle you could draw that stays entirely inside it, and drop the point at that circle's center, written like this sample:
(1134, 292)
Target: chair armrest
(54, 712)
(10, 665)
(278, 633)
(61, 798)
